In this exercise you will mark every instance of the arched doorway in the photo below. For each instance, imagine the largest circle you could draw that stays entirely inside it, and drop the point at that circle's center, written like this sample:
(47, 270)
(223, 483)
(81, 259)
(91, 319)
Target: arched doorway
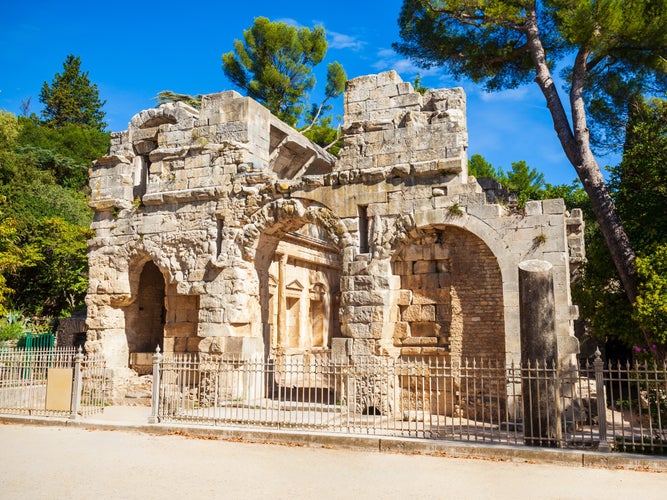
(145, 318)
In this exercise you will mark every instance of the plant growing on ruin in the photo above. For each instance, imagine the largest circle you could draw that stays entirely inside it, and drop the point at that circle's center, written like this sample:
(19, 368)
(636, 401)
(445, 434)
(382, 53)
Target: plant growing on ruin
(540, 239)
(137, 203)
(455, 209)
(615, 51)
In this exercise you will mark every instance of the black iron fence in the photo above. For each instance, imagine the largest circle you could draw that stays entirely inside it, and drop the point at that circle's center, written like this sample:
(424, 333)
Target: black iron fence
(595, 406)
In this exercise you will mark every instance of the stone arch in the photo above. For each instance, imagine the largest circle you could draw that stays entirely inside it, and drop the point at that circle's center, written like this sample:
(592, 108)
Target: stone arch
(451, 300)
(151, 284)
(136, 253)
(296, 249)
(507, 260)
(285, 215)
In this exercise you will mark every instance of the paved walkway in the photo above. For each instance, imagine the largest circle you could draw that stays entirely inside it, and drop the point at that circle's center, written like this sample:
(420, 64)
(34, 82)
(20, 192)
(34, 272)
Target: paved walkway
(80, 459)
(54, 462)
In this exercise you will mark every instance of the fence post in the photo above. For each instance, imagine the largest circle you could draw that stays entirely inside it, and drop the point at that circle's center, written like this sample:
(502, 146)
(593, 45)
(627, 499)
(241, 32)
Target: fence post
(76, 386)
(157, 357)
(598, 364)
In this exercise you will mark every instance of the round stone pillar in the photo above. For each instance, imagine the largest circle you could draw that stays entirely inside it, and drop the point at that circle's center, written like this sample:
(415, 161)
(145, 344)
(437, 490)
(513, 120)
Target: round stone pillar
(540, 389)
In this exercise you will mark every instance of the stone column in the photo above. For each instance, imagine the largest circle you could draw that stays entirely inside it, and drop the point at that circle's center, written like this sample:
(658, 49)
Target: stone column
(282, 301)
(542, 413)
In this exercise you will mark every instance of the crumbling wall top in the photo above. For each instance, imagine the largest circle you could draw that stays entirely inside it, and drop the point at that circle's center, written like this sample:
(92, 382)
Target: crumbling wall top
(389, 124)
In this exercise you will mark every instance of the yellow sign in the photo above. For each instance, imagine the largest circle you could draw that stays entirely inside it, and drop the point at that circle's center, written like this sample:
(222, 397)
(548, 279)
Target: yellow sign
(59, 389)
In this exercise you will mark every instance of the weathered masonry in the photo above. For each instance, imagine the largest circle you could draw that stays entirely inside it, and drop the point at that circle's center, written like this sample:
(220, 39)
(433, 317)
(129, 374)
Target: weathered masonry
(223, 230)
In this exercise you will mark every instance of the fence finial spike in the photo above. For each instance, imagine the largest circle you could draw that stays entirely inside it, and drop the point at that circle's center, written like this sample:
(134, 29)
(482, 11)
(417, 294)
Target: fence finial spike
(597, 353)
(157, 349)
(79, 350)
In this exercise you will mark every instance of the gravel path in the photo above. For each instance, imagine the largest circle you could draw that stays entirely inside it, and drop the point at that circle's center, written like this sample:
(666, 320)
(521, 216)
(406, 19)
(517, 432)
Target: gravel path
(70, 463)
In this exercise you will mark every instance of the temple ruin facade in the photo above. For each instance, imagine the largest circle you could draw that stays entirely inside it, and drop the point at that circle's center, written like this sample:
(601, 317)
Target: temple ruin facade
(224, 230)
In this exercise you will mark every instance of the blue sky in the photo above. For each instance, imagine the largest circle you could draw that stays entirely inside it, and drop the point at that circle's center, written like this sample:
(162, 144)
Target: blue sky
(133, 50)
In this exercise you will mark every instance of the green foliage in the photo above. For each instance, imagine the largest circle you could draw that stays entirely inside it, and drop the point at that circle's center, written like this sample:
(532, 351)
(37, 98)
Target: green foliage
(479, 167)
(572, 194)
(640, 195)
(14, 326)
(9, 130)
(56, 283)
(274, 63)
(527, 183)
(455, 210)
(628, 44)
(624, 45)
(12, 256)
(166, 96)
(32, 202)
(463, 37)
(417, 85)
(44, 216)
(651, 305)
(640, 181)
(326, 136)
(80, 143)
(72, 98)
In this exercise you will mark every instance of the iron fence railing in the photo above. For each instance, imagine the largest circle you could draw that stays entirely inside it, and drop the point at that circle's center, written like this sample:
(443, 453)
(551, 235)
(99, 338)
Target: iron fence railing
(51, 382)
(591, 407)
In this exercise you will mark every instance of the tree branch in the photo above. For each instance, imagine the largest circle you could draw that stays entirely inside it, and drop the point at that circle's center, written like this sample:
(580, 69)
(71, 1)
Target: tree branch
(466, 17)
(545, 81)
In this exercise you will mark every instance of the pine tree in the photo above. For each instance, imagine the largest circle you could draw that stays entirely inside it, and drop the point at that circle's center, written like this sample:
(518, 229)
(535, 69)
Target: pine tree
(616, 49)
(274, 65)
(72, 99)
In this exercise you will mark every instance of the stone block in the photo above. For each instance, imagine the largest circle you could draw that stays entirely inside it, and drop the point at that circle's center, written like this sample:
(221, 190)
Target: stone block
(484, 211)
(365, 298)
(424, 296)
(180, 329)
(424, 267)
(533, 208)
(404, 297)
(243, 347)
(357, 330)
(411, 313)
(427, 313)
(341, 349)
(556, 206)
(401, 330)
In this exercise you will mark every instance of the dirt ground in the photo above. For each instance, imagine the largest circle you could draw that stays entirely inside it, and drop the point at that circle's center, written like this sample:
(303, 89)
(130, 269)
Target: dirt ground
(72, 463)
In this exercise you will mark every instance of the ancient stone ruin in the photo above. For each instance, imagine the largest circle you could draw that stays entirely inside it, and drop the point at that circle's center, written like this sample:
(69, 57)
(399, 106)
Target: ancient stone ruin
(224, 230)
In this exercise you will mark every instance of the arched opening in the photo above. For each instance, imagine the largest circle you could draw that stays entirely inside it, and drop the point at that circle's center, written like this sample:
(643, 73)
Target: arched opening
(449, 309)
(450, 301)
(145, 318)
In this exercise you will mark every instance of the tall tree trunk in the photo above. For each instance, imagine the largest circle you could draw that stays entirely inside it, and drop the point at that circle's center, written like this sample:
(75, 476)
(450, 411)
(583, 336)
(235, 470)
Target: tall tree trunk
(576, 145)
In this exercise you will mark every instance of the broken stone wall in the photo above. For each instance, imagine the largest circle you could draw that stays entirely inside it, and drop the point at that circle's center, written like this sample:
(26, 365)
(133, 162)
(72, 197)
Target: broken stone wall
(394, 236)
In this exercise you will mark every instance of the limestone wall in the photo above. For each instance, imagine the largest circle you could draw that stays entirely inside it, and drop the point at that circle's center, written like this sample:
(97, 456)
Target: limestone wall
(265, 242)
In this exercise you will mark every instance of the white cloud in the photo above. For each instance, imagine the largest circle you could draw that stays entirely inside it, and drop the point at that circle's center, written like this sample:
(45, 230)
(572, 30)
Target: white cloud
(343, 41)
(388, 59)
(386, 53)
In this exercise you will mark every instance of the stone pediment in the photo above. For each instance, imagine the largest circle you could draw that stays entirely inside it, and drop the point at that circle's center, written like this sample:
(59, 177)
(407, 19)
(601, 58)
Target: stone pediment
(295, 286)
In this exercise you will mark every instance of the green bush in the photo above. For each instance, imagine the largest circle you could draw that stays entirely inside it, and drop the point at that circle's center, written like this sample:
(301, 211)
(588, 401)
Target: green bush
(14, 326)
